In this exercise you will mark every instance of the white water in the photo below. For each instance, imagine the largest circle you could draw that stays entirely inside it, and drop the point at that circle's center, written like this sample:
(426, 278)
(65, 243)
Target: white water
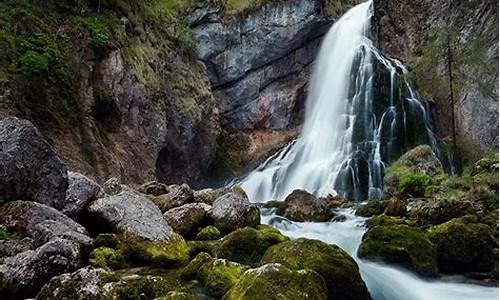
(341, 93)
(383, 282)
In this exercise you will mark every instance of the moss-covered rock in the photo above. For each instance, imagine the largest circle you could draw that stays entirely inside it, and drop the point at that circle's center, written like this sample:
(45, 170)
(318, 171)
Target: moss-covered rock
(247, 245)
(402, 245)
(463, 245)
(383, 220)
(371, 208)
(434, 211)
(104, 257)
(395, 207)
(219, 275)
(196, 247)
(178, 296)
(208, 233)
(276, 282)
(339, 270)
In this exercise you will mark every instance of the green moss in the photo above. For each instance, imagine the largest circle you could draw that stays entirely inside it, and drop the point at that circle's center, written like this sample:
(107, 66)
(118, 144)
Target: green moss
(211, 247)
(192, 269)
(208, 233)
(463, 245)
(219, 275)
(104, 257)
(97, 27)
(178, 296)
(383, 220)
(338, 269)
(371, 208)
(276, 282)
(400, 244)
(247, 245)
(413, 185)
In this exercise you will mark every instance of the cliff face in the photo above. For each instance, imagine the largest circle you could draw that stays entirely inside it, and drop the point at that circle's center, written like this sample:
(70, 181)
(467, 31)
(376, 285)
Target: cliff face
(415, 32)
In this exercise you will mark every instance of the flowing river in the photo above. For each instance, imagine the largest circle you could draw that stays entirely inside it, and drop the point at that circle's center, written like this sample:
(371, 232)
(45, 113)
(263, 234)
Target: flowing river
(346, 139)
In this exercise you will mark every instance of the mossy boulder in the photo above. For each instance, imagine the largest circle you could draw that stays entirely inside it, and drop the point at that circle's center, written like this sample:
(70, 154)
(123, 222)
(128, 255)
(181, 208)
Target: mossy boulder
(400, 244)
(196, 247)
(173, 295)
(463, 245)
(395, 207)
(371, 208)
(219, 275)
(248, 245)
(302, 206)
(276, 282)
(339, 270)
(208, 233)
(383, 220)
(232, 211)
(435, 211)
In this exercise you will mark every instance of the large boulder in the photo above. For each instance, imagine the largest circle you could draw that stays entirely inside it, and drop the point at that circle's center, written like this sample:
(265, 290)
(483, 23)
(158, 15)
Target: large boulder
(302, 206)
(338, 269)
(129, 212)
(434, 211)
(22, 275)
(186, 219)
(402, 245)
(81, 192)
(83, 284)
(463, 245)
(154, 188)
(371, 208)
(41, 223)
(29, 167)
(233, 211)
(395, 207)
(275, 282)
(248, 245)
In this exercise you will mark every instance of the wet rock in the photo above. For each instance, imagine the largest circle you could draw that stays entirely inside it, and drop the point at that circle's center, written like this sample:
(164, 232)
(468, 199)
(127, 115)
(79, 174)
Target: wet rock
(302, 206)
(339, 218)
(83, 284)
(395, 207)
(154, 188)
(176, 196)
(233, 211)
(29, 167)
(81, 192)
(24, 274)
(187, 218)
(331, 202)
(464, 246)
(248, 245)
(275, 281)
(131, 213)
(402, 245)
(432, 211)
(338, 269)
(41, 223)
(371, 208)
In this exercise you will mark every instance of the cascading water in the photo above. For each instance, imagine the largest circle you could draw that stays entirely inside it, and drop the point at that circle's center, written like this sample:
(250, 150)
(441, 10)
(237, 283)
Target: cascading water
(361, 113)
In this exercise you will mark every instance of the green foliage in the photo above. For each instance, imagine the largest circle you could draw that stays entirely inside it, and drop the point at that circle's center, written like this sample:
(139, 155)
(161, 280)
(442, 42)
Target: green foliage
(99, 36)
(413, 184)
(104, 257)
(33, 62)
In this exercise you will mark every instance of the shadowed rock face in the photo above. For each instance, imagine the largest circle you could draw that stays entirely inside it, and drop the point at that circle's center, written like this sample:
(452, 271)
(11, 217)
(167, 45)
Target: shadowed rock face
(403, 28)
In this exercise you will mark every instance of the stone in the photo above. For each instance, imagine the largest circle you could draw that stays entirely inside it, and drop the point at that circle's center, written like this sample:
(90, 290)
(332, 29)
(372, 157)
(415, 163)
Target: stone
(112, 186)
(41, 223)
(80, 193)
(208, 233)
(220, 275)
(233, 211)
(131, 213)
(371, 208)
(154, 188)
(11, 247)
(22, 275)
(275, 281)
(395, 207)
(29, 168)
(464, 246)
(173, 295)
(248, 245)
(302, 206)
(338, 269)
(187, 218)
(401, 245)
(432, 211)
(176, 196)
(83, 284)
(207, 196)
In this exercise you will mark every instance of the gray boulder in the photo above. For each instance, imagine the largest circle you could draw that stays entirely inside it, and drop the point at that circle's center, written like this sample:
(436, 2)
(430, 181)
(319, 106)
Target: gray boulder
(83, 284)
(81, 192)
(21, 276)
(11, 247)
(177, 195)
(232, 211)
(41, 223)
(29, 168)
(302, 206)
(112, 186)
(187, 218)
(129, 212)
(154, 188)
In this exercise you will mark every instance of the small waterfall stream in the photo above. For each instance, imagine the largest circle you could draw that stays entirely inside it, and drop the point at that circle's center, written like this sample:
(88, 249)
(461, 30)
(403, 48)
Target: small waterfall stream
(361, 114)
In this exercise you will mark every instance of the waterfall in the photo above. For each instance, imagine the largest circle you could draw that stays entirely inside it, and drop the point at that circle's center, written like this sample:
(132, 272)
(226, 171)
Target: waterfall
(361, 113)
